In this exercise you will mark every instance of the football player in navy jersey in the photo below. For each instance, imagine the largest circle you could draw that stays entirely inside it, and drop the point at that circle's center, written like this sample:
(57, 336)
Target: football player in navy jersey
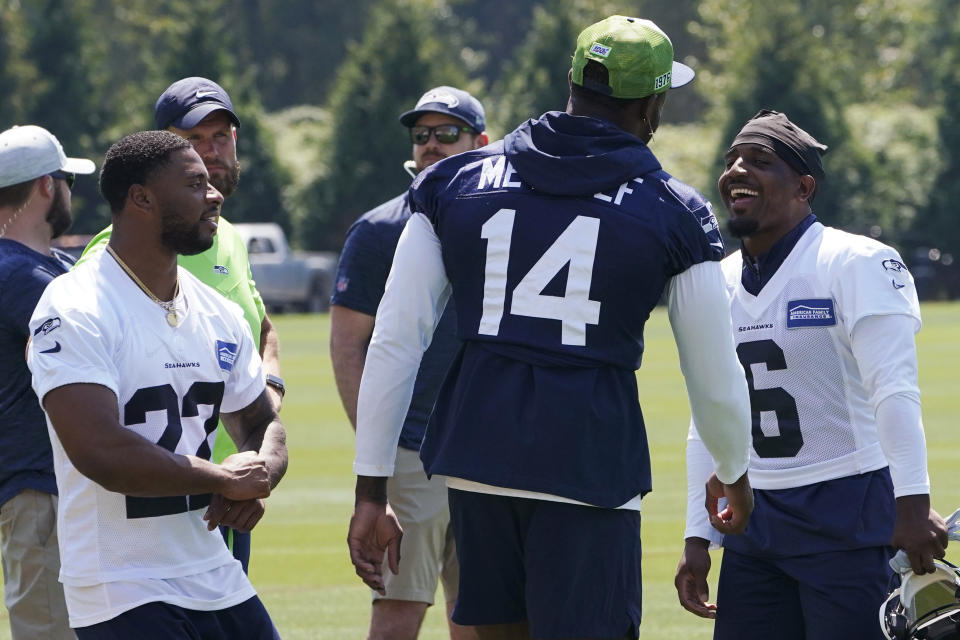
(555, 244)
(824, 324)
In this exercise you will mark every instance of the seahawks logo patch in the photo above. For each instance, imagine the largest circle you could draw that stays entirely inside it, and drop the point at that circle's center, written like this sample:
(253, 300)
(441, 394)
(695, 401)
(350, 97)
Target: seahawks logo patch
(226, 354)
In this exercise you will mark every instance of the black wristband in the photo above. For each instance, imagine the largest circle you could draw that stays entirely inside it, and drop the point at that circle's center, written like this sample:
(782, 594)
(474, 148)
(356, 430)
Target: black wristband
(277, 383)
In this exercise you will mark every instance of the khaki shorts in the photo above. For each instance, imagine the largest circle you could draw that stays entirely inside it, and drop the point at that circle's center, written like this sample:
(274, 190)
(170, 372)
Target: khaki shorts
(31, 567)
(427, 552)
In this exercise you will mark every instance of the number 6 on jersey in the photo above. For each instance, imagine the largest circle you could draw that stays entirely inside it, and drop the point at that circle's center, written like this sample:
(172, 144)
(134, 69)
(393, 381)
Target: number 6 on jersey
(576, 246)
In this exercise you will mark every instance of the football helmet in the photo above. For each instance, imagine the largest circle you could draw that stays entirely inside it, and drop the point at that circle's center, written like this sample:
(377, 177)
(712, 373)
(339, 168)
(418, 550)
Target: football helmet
(924, 607)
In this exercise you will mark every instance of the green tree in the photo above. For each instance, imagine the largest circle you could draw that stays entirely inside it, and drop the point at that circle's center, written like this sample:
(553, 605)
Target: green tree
(797, 58)
(16, 72)
(295, 46)
(936, 226)
(408, 47)
(60, 98)
(200, 39)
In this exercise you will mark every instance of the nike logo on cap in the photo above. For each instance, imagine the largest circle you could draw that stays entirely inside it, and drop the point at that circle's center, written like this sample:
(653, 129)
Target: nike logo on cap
(203, 94)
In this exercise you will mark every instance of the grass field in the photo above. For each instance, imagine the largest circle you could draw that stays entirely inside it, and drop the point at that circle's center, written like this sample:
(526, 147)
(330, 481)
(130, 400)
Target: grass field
(300, 565)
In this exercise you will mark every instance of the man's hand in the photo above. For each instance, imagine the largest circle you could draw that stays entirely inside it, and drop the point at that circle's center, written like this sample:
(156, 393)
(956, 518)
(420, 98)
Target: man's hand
(920, 532)
(373, 529)
(242, 515)
(691, 578)
(250, 477)
(739, 495)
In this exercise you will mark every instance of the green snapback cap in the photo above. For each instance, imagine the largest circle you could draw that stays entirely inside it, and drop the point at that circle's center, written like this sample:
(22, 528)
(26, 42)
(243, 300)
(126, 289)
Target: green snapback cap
(638, 57)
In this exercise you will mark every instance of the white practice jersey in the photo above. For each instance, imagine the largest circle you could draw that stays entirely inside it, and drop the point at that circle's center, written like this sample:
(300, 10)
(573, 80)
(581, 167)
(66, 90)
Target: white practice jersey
(94, 325)
(813, 419)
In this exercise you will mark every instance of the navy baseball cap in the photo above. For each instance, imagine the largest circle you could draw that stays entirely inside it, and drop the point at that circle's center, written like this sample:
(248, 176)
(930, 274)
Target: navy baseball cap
(451, 101)
(186, 102)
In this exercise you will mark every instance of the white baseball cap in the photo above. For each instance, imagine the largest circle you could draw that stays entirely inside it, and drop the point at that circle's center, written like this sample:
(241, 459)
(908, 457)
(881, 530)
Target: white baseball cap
(30, 151)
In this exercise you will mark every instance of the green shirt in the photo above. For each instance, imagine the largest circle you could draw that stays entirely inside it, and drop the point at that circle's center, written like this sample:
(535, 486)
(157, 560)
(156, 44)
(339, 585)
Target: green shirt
(226, 268)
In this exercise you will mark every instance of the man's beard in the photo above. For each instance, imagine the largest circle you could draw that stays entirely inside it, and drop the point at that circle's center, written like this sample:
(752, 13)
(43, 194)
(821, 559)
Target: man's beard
(227, 183)
(59, 215)
(181, 238)
(742, 227)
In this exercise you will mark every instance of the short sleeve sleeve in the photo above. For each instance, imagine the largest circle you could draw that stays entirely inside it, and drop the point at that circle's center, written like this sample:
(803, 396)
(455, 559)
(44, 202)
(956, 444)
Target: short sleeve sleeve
(873, 281)
(362, 270)
(20, 294)
(70, 345)
(694, 236)
(246, 381)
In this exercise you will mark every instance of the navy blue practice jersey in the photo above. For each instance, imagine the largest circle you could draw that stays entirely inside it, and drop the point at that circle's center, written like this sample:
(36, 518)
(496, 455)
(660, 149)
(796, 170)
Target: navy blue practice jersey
(555, 265)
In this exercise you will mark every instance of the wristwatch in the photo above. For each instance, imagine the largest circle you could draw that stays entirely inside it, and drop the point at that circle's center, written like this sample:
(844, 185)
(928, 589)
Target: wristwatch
(277, 383)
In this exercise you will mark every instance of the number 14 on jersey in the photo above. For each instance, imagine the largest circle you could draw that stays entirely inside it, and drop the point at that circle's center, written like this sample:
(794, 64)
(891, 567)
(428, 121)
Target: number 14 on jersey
(576, 246)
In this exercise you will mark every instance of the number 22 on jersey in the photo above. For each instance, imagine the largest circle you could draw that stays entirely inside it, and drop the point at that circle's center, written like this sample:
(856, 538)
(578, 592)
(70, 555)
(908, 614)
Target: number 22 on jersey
(576, 246)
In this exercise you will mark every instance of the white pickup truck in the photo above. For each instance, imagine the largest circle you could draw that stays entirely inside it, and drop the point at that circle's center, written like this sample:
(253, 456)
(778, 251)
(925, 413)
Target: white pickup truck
(287, 280)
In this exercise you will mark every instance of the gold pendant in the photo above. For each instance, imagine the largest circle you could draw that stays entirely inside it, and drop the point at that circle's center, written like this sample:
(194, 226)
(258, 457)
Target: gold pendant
(172, 319)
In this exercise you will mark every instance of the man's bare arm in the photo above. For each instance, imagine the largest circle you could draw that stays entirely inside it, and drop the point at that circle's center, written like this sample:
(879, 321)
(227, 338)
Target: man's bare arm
(257, 428)
(270, 354)
(87, 422)
(350, 333)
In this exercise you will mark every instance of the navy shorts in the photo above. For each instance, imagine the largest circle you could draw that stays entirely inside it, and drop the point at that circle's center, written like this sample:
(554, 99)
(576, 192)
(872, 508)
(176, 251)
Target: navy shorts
(569, 571)
(824, 596)
(161, 621)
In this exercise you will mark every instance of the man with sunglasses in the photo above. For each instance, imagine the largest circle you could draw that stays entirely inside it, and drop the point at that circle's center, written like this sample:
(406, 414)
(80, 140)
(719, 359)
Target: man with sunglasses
(444, 122)
(35, 182)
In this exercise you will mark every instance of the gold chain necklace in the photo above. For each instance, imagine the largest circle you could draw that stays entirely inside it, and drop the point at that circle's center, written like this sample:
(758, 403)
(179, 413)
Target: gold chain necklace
(172, 318)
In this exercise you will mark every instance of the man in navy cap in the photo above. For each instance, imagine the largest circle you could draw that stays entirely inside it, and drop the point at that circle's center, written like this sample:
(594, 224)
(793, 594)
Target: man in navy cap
(201, 111)
(35, 182)
(444, 122)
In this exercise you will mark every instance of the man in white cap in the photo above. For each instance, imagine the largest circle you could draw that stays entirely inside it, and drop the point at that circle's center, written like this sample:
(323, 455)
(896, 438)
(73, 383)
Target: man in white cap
(35, 181)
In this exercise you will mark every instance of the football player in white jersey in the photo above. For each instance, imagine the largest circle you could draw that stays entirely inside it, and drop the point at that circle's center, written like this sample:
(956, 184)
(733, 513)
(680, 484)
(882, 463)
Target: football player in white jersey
(134, 361)
(824, 323)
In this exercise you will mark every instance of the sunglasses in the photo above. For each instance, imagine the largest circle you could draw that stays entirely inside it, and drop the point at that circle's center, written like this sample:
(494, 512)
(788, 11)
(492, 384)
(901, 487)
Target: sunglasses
(63, 175)
(444, 133)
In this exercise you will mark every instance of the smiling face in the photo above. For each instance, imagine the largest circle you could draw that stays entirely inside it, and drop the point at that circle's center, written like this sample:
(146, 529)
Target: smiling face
(766, 198)
(189, 205)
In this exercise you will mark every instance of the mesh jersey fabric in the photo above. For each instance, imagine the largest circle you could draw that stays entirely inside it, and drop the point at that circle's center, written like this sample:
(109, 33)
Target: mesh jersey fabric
(813, 419)
(171, 383)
